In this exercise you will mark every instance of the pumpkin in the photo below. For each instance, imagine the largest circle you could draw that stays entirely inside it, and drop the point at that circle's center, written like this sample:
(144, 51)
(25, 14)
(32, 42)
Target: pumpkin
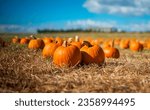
(111, 52)
(47, 40)
(59, 41)
(15, 40)
(49, 49)
(106, 44)
(24, 40)
(148, 45)
(135, 46)
(67, 55)
(92, 54)
(77, 42)
(117, 41)
(36, 44)
(124, 44)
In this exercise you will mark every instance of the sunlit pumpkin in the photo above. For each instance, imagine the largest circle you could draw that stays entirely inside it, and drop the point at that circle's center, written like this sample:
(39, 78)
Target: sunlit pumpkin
(36, 44)
(59, 41)
(49, 49)
(124, 44)
(67, 55)
(48, 40)
(135, 46)
(24, 40)
(111, 52)
(92, 54)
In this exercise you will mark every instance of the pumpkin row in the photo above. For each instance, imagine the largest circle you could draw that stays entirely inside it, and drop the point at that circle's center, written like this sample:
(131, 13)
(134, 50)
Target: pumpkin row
(70, 52)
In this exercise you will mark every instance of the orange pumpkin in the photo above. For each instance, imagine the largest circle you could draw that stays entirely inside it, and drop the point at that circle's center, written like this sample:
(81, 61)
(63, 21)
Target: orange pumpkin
(124, 44)
(111, 52)
(92, 54)
(67, 55)
(48, 40)
(36, 44)
(117, 41)
(49, 49)
(15, 40)
(106, 44)
(59, 41)
(135, 46)
(24, 40)
(148, 45)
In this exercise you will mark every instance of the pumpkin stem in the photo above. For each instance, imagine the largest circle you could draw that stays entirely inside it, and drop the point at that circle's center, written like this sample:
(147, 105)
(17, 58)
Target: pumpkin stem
(86, 43)
(77, 38)
(32, 36)
(69, 40)
(64, 43)
(112, 45)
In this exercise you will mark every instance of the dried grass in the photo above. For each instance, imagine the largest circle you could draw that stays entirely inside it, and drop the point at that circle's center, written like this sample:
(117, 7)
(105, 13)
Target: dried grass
(24, 70)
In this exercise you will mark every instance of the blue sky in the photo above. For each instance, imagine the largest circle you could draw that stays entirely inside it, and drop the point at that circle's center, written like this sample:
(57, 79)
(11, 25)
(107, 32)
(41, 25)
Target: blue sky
(30, 15)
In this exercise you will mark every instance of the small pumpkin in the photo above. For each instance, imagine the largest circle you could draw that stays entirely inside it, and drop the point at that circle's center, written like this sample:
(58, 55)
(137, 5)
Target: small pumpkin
(48, 40)
(111, 52)
(59, 41)
(15, 40)
(136, 46)
(124, 44)
(67, 55)
(92, 54)
(24, 40)
(36, 44)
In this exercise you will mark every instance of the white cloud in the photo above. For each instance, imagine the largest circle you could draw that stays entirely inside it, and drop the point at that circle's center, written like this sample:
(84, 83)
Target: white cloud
(130, 26)
(124, 7)
(89, 23)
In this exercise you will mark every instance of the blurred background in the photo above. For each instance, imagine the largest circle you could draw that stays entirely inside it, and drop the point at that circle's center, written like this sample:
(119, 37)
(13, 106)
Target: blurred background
(32, 16)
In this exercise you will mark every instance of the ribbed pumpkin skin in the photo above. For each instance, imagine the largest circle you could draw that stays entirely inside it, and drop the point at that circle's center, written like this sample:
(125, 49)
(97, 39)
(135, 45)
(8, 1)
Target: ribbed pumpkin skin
(24, 40)
(67, 56)
(49, 49)
(94, 54)
(136, 46)
(36, 44)
(111, 52)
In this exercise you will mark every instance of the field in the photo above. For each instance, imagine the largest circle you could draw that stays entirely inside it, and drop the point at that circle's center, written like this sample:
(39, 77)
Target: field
(25, 70)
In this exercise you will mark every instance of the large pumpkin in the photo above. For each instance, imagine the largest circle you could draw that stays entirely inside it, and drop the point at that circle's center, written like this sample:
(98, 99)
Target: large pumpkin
(67, 55)
(92, 54)
(36, 44)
